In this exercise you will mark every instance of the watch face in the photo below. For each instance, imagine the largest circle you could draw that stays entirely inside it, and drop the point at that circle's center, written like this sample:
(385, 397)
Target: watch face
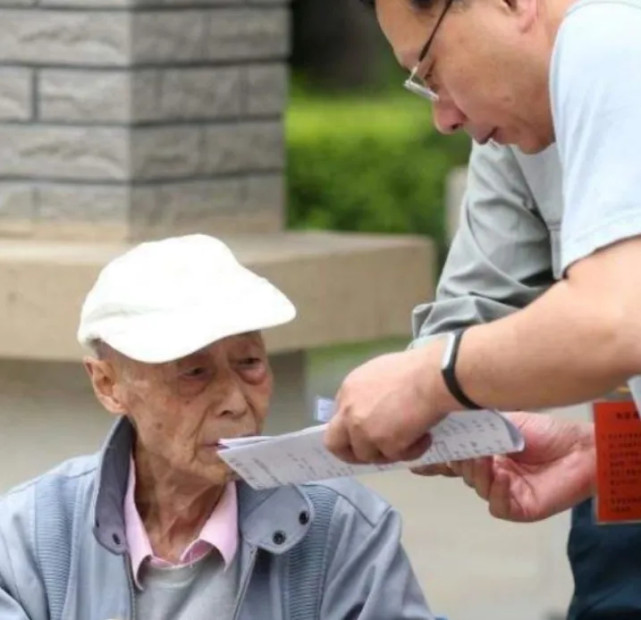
(449, 350)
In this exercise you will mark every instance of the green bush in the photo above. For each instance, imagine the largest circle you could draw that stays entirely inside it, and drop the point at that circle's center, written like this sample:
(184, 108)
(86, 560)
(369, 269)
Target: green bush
(368, 165)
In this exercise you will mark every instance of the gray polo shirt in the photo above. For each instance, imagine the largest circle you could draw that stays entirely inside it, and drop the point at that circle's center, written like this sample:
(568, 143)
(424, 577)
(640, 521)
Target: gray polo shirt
(199, 591)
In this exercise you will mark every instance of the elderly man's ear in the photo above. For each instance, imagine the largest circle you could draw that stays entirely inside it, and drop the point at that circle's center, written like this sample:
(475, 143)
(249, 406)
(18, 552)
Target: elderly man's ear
(106, 384)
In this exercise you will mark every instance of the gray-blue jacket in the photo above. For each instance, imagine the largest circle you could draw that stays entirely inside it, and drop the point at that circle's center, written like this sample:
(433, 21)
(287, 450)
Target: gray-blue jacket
(329, 551)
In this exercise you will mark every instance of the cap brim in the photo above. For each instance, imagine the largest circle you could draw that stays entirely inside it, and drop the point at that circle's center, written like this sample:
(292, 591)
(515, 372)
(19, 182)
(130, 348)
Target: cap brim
(167, 336)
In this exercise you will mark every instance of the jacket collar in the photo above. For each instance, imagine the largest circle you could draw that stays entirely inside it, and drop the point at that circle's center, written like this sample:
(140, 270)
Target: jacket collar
(274, 519)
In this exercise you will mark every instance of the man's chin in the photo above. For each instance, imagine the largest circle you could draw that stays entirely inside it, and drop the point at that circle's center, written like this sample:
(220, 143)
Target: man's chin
(534, 146)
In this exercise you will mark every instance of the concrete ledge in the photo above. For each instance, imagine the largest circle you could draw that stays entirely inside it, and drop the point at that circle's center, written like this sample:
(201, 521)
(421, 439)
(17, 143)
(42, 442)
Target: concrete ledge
(347, 288)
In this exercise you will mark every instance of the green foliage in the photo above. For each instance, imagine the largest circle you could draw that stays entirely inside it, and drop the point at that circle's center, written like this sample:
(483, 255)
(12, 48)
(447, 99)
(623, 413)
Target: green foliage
(372, 165)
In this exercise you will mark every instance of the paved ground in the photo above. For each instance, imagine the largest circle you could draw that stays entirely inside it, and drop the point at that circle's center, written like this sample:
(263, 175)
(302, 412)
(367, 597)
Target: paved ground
(474, 567)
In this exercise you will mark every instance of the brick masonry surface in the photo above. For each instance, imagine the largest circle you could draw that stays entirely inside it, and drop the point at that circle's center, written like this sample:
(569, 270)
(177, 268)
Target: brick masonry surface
(141, 113)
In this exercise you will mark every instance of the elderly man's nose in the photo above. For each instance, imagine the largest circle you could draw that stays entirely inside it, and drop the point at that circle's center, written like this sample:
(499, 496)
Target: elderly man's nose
(233, 401)
(448, 119)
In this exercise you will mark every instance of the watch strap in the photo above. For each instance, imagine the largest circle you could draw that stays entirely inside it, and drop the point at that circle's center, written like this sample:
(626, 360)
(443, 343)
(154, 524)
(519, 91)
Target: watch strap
(448, 371)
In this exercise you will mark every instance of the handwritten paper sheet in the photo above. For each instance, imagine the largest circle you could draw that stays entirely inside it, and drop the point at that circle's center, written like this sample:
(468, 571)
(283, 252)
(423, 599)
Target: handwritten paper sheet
(298, 457)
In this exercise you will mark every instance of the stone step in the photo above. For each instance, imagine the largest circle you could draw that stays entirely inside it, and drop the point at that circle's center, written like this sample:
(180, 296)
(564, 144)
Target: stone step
(347, 288)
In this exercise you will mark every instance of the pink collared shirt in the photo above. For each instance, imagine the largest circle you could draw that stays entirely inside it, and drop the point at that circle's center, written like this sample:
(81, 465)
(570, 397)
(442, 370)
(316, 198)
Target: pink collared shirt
(219, 532)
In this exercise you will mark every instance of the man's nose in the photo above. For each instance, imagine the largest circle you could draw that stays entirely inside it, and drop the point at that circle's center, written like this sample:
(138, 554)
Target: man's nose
(231, 397)
(448, 119)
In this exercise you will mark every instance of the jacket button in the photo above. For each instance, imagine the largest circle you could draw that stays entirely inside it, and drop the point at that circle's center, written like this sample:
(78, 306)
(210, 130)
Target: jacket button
(116, 539)
(279, 538)
(303, 517)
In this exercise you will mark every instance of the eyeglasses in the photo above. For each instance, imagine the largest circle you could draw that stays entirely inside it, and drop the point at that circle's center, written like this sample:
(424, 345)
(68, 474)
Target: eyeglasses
(415, 83)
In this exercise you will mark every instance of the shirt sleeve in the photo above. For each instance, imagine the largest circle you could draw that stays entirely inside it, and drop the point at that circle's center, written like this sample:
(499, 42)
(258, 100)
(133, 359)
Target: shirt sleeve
(501, 257)
(596, 101)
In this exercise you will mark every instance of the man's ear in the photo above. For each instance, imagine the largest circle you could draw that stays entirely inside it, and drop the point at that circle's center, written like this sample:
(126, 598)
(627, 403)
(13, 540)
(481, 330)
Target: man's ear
(106, 385)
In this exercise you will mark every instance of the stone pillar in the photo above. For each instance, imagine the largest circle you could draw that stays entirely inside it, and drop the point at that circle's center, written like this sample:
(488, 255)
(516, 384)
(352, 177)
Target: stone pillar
(130, 119)
(124, 120)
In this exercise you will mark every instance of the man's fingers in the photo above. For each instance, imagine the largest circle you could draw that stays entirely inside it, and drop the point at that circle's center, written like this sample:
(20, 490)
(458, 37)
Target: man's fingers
(500, 498)
(491, 483)
(337, 441)
(457, 468)
(411, 453)
(353, 445)
(477, 474)
(483, 477)
(366, 452)
(467, 472)
(439, 469)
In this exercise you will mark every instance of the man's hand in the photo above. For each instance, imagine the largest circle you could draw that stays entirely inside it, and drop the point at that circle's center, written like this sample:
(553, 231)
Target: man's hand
(554, 472)
(385, 408)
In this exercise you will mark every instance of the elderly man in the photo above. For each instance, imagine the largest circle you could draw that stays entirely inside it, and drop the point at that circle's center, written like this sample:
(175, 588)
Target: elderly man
(525, 73)
(155, 525)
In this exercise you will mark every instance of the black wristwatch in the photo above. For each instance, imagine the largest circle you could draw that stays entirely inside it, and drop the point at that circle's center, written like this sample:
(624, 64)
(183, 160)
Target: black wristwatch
(448, 369)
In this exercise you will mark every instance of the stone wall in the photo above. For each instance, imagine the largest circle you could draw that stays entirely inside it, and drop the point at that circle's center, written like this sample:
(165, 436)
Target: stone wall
(128, 119)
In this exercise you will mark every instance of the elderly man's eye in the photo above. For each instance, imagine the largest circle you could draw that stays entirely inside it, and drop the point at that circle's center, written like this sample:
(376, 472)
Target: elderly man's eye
(195, 373)
(251, 362)
(252, 366)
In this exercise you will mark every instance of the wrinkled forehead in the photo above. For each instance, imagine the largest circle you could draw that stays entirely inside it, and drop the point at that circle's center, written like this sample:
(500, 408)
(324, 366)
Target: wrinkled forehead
(406, 28)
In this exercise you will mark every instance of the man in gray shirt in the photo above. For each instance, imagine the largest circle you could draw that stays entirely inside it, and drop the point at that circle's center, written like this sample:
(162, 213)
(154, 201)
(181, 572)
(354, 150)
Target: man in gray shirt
(504, 255)
(527, 73)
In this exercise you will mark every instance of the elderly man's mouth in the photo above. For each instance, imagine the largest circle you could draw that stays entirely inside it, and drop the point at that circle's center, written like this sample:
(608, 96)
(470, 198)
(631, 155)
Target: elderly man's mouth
(219, 443)
(212, 445)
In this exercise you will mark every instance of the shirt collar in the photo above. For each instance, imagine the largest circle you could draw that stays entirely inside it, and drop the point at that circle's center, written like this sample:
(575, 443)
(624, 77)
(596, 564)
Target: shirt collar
(220, 531)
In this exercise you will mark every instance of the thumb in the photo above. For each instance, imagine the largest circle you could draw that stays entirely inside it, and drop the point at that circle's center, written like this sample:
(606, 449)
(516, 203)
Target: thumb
(500, 498)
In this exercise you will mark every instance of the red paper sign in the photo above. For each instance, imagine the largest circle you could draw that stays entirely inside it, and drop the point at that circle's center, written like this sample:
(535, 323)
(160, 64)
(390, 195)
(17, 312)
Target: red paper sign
(618, 452)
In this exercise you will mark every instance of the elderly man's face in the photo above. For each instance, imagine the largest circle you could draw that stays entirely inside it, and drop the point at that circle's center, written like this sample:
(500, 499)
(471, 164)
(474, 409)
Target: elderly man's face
(486, 62)
(182, 409)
